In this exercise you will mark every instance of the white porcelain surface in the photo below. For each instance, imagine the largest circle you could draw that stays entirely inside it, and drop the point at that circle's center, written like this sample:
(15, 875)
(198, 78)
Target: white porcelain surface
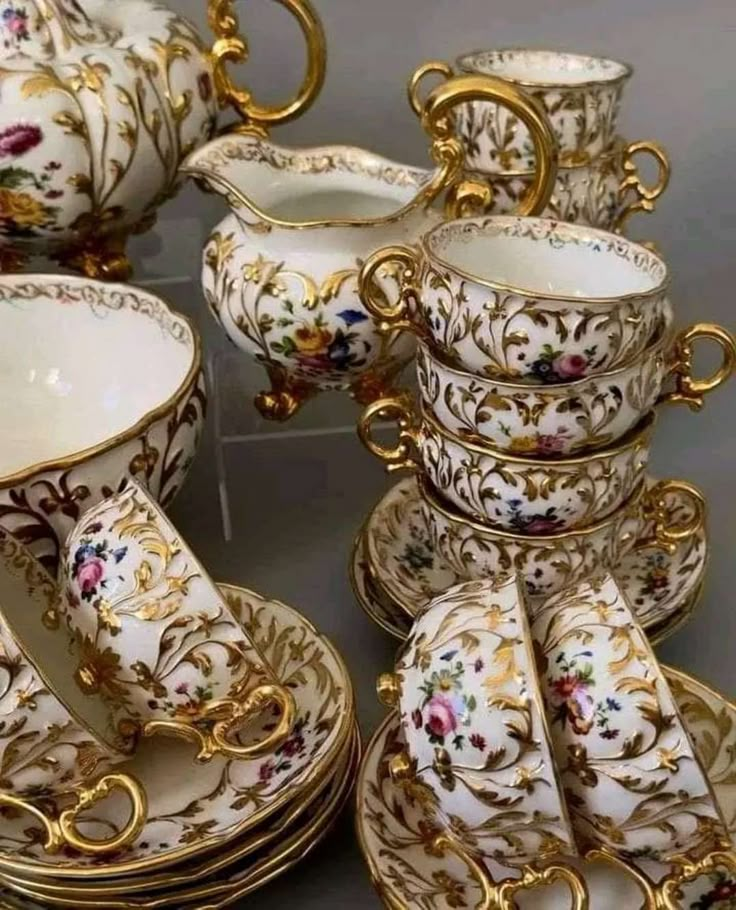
(101, 101)
(634, 783)
(102, 382)
(472, 717)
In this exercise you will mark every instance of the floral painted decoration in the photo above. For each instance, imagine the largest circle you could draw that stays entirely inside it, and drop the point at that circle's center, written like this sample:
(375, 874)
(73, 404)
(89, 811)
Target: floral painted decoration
(14, 26)
(446, 709)
(556, 366)
(548, 522)
(722, 896)
(283, 758)
(91, 564)
(21, 211)
(321, 347)
(573, 701)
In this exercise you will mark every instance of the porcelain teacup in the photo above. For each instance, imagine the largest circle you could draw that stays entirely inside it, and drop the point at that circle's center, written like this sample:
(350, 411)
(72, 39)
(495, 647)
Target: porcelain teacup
(581, 414)
(524, 299)
(478, 749)
(550, 562)
(153, 635)
(634, 783)
(54, 743)
(579, 93)
(520, 493)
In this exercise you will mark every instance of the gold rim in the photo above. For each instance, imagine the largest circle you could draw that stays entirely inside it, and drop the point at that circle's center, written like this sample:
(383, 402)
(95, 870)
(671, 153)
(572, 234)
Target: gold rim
(630, 440)
(580, 230)
(464, 62)
(346, 765)
(143, 422)
(111, 870)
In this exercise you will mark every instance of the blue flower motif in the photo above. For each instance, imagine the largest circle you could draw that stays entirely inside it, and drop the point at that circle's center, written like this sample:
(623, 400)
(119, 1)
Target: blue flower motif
(612, 704)
(84, 552)
(351, 317)
(119, 553)
(448, 655)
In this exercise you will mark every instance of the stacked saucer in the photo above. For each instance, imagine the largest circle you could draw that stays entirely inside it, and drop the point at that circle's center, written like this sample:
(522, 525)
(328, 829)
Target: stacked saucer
(225, 719)
(541, 748)
(545, 350)
(598, 180)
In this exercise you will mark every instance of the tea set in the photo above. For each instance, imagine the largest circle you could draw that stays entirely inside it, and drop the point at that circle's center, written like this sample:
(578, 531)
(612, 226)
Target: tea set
(167, 740)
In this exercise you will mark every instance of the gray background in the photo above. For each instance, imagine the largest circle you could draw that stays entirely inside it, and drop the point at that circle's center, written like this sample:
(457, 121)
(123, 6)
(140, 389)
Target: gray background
(298, 492)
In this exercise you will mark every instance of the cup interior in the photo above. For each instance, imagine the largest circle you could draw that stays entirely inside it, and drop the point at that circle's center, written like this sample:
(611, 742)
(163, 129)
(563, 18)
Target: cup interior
(81, 363)
(545, 259)
(544, 67)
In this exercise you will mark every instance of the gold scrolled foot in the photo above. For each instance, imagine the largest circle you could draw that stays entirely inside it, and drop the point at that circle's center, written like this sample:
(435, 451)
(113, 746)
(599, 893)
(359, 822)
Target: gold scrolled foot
(286, 396)
(11, 260)
(103, 259)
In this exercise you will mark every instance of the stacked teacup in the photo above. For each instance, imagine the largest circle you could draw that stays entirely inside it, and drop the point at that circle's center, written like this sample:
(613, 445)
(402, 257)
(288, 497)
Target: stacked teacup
(545, 347)
(598, 180)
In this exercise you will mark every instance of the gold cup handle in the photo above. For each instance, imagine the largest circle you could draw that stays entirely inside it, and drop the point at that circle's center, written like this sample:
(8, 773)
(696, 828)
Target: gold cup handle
(438, 123)
(231, 47)
(667, 890)
(665, 533)
(403, 262)
(213, 730)
(63, 831)
(644, 196)
(500, 895)
(690, 390)
(404, 454)
(431, 68)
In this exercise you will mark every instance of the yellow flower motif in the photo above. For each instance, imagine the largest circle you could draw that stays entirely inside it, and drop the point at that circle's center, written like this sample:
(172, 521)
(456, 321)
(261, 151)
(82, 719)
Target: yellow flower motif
(667, 760)
(21, 208)
(311, 339)
(107, 618)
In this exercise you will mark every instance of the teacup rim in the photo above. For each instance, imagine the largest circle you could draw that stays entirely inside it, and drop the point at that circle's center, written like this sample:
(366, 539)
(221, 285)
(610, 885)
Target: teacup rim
(582, 230)
(435, 355)
(643, 428)
(626, 70)
(438, 503)
(77, 457)
(102, 741)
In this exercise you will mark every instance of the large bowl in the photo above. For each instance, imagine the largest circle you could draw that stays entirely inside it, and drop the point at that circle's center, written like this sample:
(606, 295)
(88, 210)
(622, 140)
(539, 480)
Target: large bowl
(101, 382)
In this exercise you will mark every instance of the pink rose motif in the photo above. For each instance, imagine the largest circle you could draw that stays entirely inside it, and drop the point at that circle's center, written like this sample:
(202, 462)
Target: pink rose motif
(570, 366)
(548, 444)
(540, 525)
(441, 716)
(90, 573)
(19, 139)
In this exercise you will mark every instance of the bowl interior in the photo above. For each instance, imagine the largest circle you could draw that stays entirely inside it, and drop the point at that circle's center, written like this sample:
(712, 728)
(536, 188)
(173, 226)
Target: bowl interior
(546, 259)
(544, 67)
(79, 368)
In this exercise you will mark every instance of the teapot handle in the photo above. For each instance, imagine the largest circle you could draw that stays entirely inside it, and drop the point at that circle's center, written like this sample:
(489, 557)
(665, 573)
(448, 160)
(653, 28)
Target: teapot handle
(231, 47)
(448, 151)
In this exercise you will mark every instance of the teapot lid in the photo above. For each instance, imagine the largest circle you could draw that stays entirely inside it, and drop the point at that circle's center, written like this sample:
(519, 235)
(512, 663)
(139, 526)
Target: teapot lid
(45, 29)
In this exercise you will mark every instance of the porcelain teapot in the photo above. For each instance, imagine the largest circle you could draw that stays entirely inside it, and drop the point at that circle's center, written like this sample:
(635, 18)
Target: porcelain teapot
(101, 102)
(280, 273)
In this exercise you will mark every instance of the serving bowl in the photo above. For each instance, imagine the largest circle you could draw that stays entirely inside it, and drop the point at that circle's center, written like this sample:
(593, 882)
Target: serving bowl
(101, 382)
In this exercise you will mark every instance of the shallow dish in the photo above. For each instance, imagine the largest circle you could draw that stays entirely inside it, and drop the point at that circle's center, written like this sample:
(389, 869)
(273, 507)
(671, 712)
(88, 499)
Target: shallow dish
(224, 798)
(118, 376)
(396, 570)
(394, 832)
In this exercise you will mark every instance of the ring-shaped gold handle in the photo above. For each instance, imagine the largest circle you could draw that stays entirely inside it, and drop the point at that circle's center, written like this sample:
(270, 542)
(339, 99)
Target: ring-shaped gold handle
(63, 832)
(500, 895)
(645, 196)
(212, 731)
(667, 889)
(438, 123)
(433, 68)
(665, 534)
(688, 389)
(231, 47)
(403, 262)
(402, 455)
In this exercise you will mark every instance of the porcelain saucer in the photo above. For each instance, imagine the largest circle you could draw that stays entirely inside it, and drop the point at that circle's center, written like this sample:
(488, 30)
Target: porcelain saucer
(395, 571)
(222, 799)
(395, 835)
(223, 884)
